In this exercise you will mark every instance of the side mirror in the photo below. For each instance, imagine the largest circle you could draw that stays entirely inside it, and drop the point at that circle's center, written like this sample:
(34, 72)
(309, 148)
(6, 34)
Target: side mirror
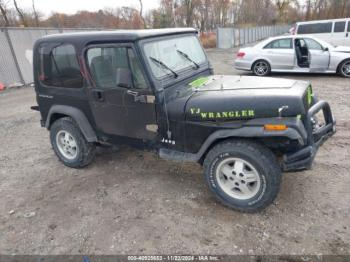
(325, 49)
(123, 78)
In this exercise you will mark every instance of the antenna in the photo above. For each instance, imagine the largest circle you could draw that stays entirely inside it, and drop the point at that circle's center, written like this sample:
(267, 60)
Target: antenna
(168, 132)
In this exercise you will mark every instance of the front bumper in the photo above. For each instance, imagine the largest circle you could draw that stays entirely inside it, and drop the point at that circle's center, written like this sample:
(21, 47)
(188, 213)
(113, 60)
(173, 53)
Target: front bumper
(303, 158)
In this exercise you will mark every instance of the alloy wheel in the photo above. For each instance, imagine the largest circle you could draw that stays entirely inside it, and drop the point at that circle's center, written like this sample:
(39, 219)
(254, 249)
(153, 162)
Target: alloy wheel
(346, 68)
(238, 178)
(261, 68)
(67, 144)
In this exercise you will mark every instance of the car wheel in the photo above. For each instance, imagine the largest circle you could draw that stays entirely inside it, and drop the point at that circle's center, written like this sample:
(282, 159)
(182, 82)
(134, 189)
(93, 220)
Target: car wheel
(243, 175)
(69, 143)
(344, 68)
(261, 68)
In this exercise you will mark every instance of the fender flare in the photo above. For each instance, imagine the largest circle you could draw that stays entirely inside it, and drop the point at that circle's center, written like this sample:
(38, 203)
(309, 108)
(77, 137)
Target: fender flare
(78, 116)
(243, 132)
(246, 132)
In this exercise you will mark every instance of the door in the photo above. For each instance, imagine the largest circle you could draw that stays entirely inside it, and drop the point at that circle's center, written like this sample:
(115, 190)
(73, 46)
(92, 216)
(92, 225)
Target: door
(280, 53)
(347, 34)
(120, 108)
(339, 33)
(319, 57)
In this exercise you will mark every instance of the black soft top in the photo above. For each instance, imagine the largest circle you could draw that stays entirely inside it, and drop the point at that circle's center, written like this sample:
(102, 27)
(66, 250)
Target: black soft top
(114, 35)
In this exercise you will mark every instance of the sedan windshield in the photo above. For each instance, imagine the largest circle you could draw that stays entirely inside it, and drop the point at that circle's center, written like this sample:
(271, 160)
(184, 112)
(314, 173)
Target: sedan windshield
(325, 44)
(174, 55)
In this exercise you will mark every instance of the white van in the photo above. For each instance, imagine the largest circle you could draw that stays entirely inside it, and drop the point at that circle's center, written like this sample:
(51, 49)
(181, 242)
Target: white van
(335, 31)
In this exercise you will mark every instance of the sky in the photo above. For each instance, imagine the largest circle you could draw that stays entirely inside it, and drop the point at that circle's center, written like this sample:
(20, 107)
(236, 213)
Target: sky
(71, 6)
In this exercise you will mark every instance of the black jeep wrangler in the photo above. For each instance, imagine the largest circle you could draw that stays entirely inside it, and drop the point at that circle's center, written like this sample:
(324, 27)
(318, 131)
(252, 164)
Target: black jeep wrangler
(156, 89)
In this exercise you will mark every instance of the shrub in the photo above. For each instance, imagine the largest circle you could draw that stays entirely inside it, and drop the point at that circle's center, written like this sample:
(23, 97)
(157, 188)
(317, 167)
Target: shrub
(208, 39)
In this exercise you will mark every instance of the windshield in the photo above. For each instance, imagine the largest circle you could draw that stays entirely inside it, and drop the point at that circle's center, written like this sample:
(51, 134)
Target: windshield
(169, 55)
(325, 44)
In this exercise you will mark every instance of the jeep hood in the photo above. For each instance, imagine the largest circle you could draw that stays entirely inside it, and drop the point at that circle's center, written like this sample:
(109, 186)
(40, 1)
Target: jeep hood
(217, 97)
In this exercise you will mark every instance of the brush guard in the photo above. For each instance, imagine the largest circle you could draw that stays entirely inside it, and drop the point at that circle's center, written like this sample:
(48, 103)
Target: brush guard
(303, 158)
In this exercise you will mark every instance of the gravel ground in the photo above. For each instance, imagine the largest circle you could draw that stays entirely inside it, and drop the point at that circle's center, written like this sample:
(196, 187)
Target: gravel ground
(130, 201)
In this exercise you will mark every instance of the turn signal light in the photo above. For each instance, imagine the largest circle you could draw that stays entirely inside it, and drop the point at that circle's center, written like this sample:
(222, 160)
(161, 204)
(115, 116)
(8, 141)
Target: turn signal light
(275, 127)
(240, 54)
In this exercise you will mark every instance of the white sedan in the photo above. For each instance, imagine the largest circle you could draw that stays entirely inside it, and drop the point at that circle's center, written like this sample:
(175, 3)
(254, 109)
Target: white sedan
(298, 54)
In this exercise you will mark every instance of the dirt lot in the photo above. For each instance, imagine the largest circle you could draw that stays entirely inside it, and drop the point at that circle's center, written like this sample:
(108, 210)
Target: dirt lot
(130, 201)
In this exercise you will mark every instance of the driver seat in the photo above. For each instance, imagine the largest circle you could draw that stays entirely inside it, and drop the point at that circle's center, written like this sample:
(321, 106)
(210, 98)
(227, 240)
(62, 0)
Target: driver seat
(102, 71)
(303, 60)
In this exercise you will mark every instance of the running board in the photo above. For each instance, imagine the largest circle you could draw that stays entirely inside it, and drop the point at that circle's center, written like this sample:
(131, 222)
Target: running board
(177, 156)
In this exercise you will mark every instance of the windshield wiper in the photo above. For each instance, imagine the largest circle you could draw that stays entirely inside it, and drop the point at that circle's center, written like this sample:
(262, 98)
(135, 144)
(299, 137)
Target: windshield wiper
(187, 57)
(162, 65)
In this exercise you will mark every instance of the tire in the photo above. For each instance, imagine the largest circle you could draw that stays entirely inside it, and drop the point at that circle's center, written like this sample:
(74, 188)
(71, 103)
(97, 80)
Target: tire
(261, 68)
(75, 153)
(261, 175)
(344, 68)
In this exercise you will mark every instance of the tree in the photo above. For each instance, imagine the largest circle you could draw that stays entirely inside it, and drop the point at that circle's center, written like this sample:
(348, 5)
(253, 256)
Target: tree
(203, 10)
(165, 15)
(3, 9)
(189, 7)
(281, 6)
(141, 15)
(20, 13)
(35, 14)
(308, 10)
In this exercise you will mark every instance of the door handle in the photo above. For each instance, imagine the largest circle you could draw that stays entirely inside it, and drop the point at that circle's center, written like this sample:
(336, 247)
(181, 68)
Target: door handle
(133, 93)
(137, 97)
(347, 34)
(98, 95)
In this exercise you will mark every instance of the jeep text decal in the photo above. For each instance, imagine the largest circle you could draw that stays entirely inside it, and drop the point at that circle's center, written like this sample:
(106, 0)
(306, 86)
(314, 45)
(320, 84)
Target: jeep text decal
(247, 113)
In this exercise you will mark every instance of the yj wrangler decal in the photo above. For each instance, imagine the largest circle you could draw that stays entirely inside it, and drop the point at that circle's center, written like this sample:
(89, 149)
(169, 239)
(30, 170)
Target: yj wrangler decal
(247, 113)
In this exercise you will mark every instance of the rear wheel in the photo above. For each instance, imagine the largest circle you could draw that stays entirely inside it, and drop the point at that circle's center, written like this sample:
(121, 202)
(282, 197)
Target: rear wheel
(69, 143)
(261, 68)
(243, 175)
(344, 68)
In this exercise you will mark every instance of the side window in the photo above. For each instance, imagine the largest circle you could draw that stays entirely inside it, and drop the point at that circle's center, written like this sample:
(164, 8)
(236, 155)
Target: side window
(136, 71)
(317, 28)
(104, 62)
(312, 44)
(59, 67)
(339, 27)
(349, 26)
(280, 44)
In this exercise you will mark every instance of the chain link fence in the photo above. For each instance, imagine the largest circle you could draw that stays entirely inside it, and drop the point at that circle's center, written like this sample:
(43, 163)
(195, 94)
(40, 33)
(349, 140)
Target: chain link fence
(232, 37)
(16, 47)
(16, 52)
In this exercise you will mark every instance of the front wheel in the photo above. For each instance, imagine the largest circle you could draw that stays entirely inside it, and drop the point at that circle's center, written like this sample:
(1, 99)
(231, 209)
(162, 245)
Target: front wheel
(344, 68)
(261, 68)
(69, 143)
(243, 175)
